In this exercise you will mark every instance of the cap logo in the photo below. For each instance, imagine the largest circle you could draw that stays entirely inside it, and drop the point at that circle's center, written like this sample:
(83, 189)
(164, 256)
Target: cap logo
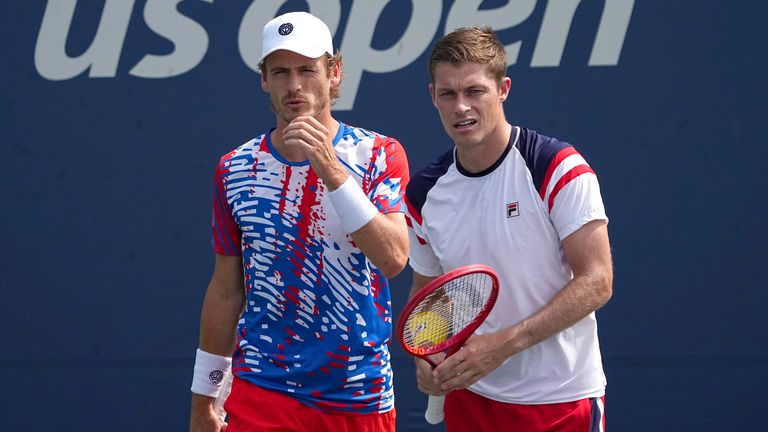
(285, 29)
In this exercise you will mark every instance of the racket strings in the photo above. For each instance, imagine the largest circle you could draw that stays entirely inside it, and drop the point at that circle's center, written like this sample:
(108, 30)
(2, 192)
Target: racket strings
(447, 311)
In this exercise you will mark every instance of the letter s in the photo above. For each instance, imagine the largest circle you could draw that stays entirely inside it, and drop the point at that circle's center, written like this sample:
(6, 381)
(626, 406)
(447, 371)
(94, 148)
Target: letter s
(189, 38)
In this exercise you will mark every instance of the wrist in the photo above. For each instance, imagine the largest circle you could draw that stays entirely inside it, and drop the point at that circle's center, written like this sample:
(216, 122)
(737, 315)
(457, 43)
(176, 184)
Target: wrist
(209, 373)
(352, 206)
(336, 178)
(515, 339)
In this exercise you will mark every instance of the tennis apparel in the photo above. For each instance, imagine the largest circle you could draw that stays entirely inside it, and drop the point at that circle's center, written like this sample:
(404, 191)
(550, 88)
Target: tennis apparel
(317, 316)
(513, 217)
(466, 411)
(252, 408)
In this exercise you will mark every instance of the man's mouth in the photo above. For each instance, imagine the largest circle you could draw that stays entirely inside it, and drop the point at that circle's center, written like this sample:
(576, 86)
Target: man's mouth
(465, 124)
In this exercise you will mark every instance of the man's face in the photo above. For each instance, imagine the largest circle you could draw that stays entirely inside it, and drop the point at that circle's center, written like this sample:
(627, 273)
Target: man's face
(469, 101)
(298, 85)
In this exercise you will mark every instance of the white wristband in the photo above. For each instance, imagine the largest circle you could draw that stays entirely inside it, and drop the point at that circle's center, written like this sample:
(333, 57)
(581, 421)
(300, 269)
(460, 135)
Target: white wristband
(353, 207)
(209, 373)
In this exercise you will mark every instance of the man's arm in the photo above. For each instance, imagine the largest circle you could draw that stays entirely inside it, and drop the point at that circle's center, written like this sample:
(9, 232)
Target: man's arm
(588, 253)
(222, 306)
(383, 239)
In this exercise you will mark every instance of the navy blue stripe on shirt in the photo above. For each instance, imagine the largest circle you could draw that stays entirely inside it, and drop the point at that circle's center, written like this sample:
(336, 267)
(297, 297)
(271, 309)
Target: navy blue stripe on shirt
(420, 184)
(538, 152)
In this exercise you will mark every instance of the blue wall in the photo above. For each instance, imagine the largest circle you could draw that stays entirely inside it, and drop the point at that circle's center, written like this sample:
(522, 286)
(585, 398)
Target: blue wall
(106, 181)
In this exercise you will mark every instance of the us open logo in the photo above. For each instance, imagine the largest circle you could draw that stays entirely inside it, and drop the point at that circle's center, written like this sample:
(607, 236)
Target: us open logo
(285, 29)
(512, 210)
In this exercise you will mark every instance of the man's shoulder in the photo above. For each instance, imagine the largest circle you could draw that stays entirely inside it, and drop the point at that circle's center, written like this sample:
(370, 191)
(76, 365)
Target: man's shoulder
(532, 142)
(439, 165)
(357, 134)
(425, 178)
(246, 148)
(348, 131)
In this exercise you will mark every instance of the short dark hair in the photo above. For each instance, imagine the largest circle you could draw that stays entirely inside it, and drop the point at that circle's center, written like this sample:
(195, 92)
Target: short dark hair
(476, 44)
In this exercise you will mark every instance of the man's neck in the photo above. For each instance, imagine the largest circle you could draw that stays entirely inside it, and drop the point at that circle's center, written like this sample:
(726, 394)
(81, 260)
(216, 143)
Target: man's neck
(480, 157)
(296, 155)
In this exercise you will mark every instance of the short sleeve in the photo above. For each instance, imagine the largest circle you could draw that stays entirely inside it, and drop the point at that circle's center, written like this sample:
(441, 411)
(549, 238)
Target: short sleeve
(577, 203)
(422, 258)
(226, 232)
(389, 175)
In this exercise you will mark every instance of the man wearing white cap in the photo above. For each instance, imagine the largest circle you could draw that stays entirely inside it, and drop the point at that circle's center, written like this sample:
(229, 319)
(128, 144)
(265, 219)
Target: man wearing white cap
(307, 227)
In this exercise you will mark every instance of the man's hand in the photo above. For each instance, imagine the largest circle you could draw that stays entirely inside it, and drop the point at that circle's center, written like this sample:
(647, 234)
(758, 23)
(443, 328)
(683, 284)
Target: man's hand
(479, 356)
(203, 418)
(307, 134)
(424, 377)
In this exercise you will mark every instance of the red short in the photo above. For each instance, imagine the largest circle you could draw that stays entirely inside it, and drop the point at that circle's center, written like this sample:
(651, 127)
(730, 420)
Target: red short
(466, 411)
(252, 408)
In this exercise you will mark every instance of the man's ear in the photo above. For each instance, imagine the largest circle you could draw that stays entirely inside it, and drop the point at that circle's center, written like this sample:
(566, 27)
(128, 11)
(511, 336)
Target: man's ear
(336, 74)
(264, 84)
(432, 94)
(505, 86)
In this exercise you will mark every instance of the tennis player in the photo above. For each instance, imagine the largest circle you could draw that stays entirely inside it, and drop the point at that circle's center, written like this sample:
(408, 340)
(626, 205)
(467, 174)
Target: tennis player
(528, 206)
(307, 227)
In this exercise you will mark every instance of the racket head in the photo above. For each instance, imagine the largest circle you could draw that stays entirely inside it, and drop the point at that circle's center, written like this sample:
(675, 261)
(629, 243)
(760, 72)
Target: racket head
(445, 313)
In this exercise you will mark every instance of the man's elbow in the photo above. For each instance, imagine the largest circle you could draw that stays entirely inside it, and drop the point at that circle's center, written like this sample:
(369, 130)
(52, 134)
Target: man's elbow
(394, 265)
(396, 257)
(604, 289)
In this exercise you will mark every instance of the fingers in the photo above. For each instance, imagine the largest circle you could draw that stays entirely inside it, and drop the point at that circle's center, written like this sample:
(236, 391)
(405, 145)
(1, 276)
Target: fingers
(306, 131)
(425, 379)
(479, 356)
(457, 372)
(460, 380)
(451, 366)
(312, 139)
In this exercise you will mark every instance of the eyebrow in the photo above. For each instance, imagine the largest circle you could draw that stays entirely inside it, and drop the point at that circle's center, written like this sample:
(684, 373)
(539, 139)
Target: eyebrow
(469, 87)
(300, 67)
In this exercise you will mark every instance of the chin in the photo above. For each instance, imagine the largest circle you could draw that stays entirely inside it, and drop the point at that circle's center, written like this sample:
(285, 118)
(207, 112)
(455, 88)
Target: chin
(290, 114)
(465, 139)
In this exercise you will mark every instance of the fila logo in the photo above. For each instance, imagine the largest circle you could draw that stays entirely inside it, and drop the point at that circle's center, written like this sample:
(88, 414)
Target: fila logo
(512, 210)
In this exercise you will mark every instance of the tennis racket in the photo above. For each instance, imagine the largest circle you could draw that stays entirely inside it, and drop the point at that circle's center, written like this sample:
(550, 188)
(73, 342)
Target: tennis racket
(226, 388)
(443, 315)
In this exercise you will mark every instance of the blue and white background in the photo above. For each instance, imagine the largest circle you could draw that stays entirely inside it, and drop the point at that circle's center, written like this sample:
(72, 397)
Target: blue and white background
(113, 114)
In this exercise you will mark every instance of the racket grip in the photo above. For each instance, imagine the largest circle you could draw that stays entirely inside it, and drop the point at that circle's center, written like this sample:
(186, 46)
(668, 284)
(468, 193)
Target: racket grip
(435, 413)
(226, 388)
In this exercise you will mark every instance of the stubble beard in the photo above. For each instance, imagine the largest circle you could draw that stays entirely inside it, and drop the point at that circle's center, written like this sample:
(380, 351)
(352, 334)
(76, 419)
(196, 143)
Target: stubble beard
(317, 105)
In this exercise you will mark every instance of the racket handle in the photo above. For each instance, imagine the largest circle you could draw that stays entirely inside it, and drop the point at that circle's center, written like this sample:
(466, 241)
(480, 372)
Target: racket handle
(435, 413)
(226, 388)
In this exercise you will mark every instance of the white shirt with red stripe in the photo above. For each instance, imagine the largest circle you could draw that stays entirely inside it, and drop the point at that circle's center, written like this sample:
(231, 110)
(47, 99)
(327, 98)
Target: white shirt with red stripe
(513, 217)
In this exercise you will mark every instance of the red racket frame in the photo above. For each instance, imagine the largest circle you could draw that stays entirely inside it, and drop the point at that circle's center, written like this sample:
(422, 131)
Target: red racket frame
(452, 344)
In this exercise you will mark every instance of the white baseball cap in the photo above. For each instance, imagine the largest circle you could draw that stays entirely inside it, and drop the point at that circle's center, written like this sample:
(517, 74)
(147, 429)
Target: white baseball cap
(299, 32)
